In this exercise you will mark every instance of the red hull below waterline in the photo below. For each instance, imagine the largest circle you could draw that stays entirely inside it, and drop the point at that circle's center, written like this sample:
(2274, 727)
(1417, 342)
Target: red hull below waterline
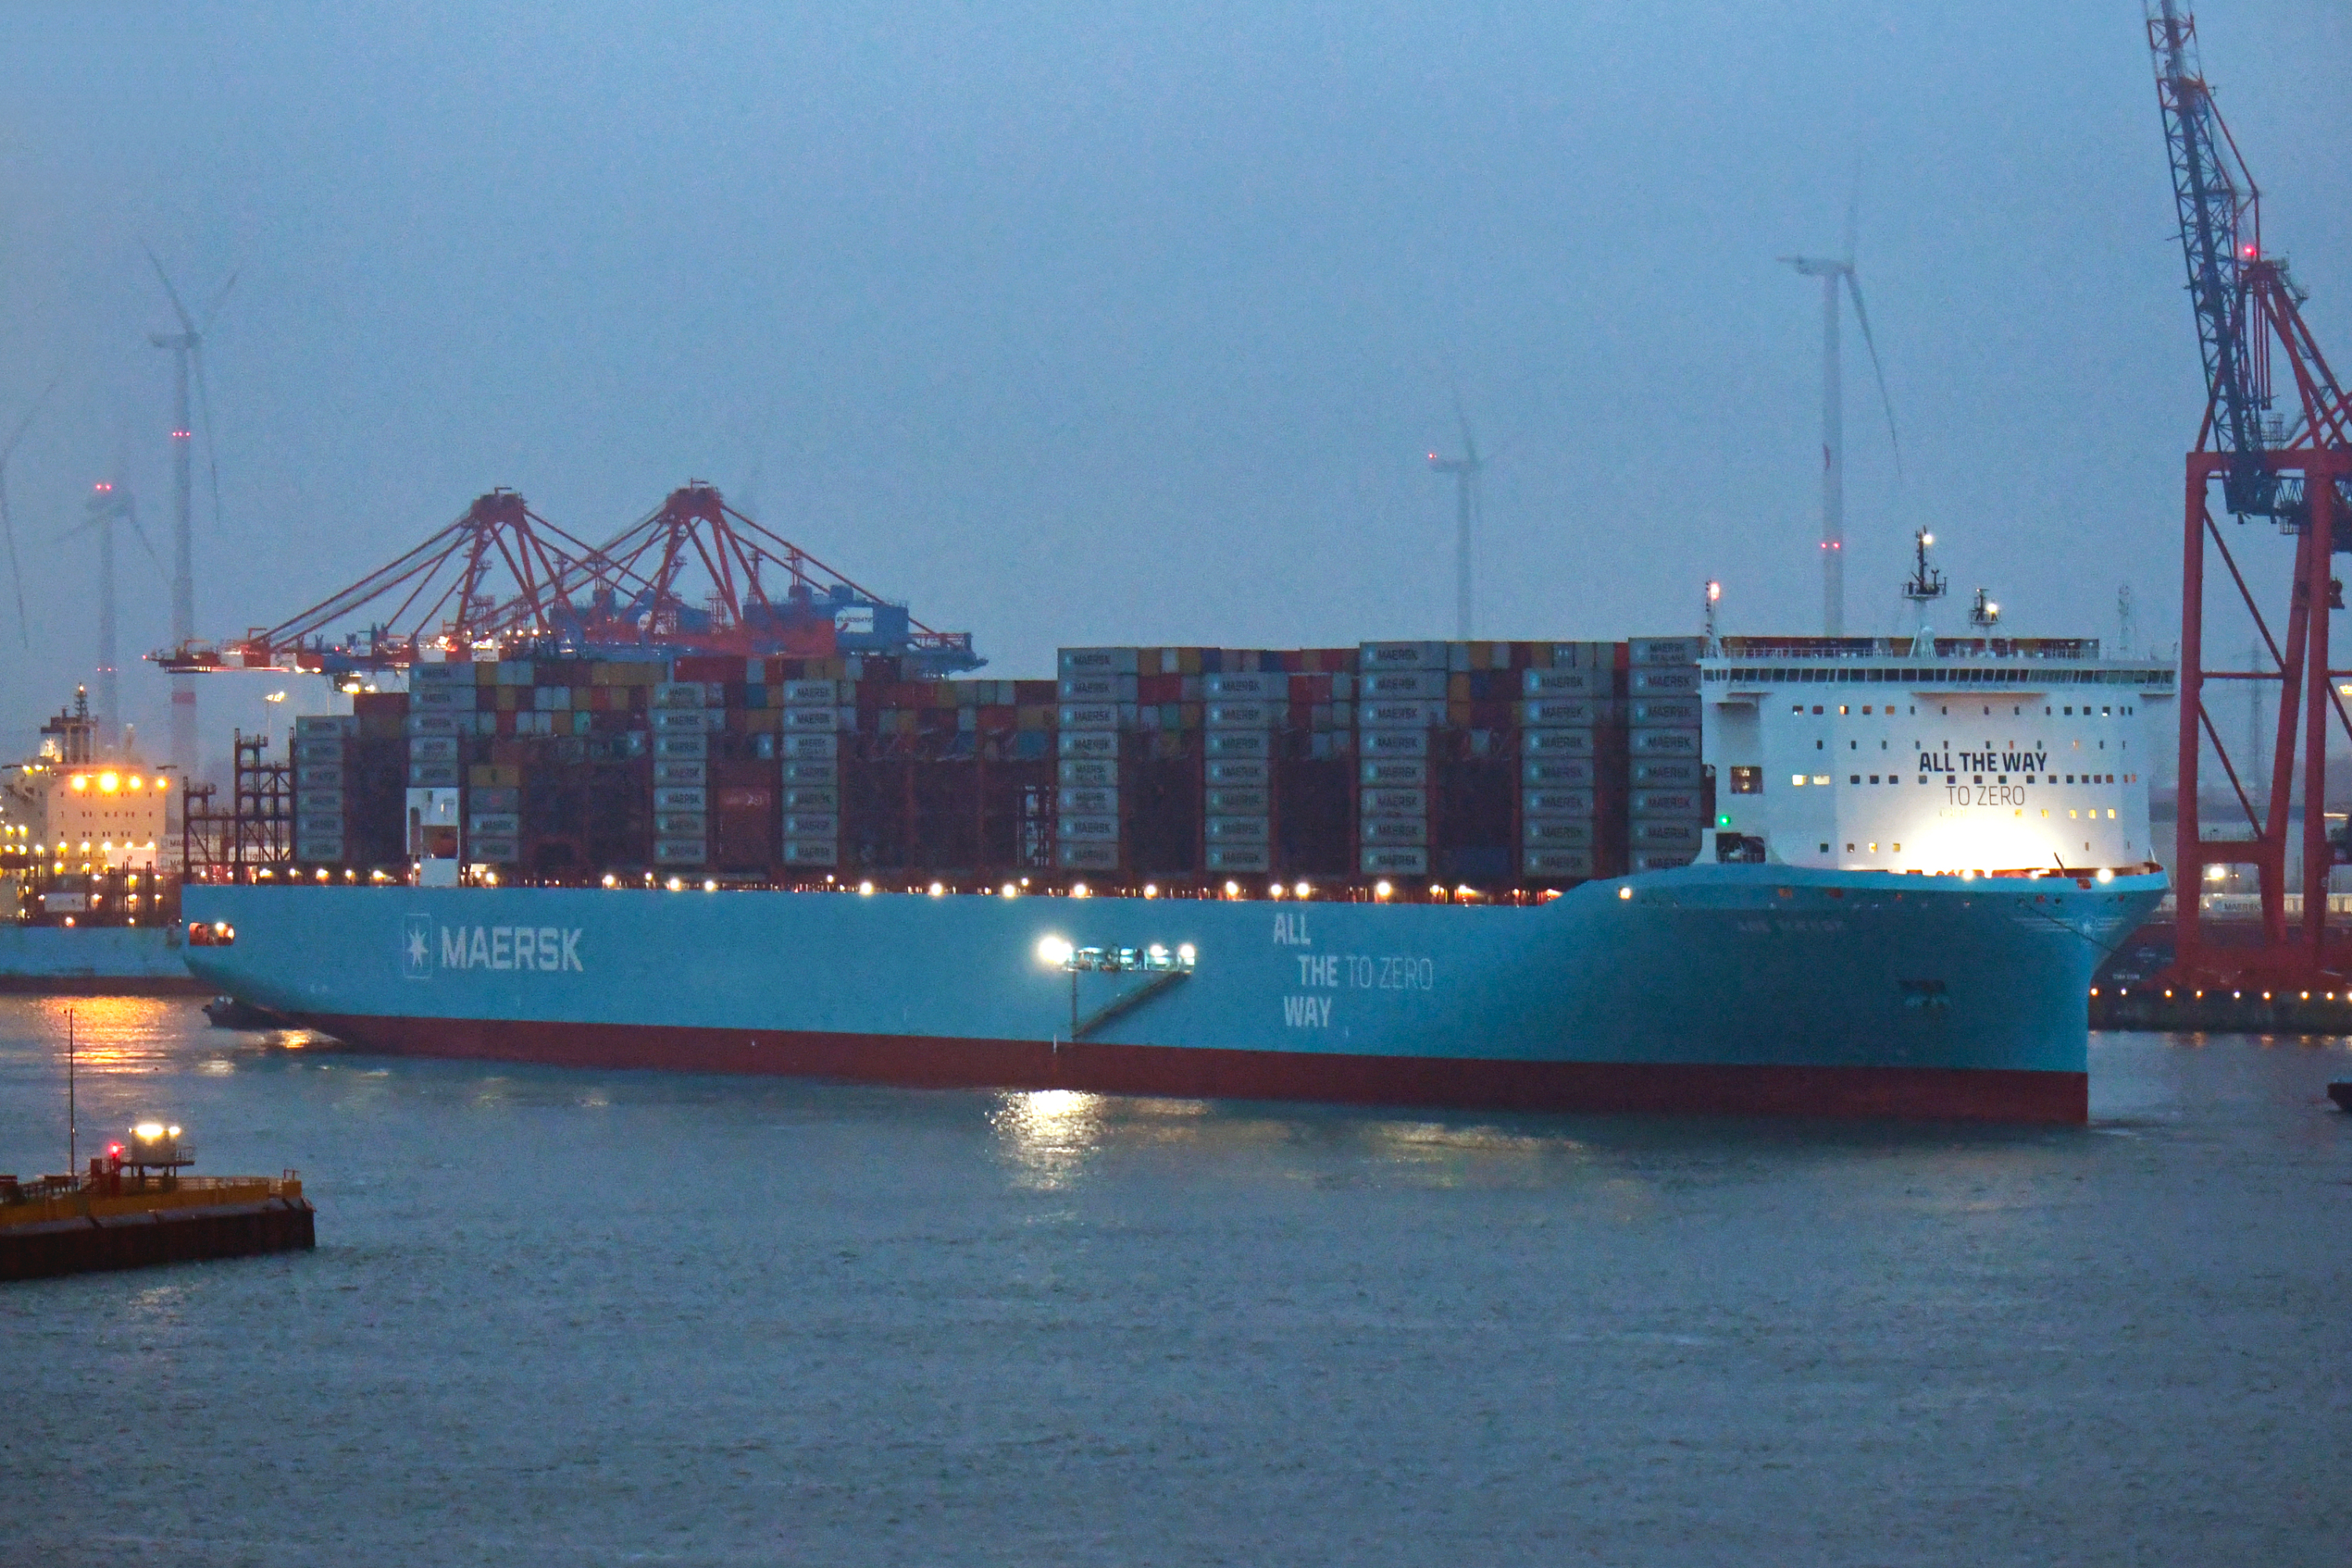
(1201, 1073)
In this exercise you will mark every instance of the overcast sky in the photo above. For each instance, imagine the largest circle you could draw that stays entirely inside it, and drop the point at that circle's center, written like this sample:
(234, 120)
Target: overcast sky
(1095, 323)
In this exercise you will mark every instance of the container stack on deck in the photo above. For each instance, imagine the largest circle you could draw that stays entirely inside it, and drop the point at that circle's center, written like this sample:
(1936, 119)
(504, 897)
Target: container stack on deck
(1491, 766)
(1669, 808)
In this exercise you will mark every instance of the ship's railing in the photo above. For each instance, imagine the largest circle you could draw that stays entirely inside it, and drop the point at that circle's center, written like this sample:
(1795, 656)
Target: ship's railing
(70, 1197)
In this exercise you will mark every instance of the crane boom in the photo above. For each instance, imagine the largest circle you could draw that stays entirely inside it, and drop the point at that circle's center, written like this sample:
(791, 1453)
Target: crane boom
(2220, 234)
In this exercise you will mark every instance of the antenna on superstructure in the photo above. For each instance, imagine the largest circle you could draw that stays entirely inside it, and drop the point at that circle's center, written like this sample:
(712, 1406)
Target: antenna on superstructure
(2126, 634)
(1714, 593)
(1984, 614)
(187, 350)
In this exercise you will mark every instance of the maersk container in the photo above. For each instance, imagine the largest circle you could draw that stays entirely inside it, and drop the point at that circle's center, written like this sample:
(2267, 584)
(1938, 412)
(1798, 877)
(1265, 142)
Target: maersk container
(318, 776)
(1247, 686)
(1235, 802)
(1401, 686)
(697, 747)
(1394, 714)
(1558, 772)
(437, 698)
(824, 798)
(1567, 712)
(494, 851)
(680, 851)
(1557, 833)
(1556, 803)
(689, 721)
(1392, 830)
(1665, 712)
(439, 674)
(809, 748)
(326, 751)
(1090, 743)
(1401, 772)
(1643, 652)
(1675, 681)
(1383, 745)
(1097, 660)
(1090, 716)
(682, 797)
(1556, 743)
(494, 823)
(675, 770)
(324, 824)
(319, 803)
(1087, 773)
(1393, 860)
(319, 850)
(1242, 715)
(811, 721)
(1088, 800)
(812, 852)
(1666, 773)
(1090, 829)
(1379, 655)
(1087, 856)
(812, 825)
(1244, 770)
(1652, 860)
(1665, 804)
(1379, 802)
(818, 693)
(1662, 743)
(1667, 838)
(826, 773)
(1558, 863)
(682, 823)
(1248, 744)
(432, 749)
(1098, 685)
(1230, 857)
(427, 724)
(1236, 830)
(433, 775)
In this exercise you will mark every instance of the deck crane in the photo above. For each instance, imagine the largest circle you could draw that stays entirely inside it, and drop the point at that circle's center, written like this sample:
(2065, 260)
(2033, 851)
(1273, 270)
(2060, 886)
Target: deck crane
(2292, 469)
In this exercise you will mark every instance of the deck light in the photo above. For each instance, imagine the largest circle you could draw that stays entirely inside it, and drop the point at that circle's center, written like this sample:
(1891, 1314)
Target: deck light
(1009, 891)
(1079, 890)
(2106, 874)
(1150, 890)
(673, 884)
(1382, 890)
(1233, 889)
(865, 890)
(1302, 889)
(1624, 893)
(709, 884)
(609, 879)
(1054, 952)
(1184, 954)
(938, 890)
(1275, 892)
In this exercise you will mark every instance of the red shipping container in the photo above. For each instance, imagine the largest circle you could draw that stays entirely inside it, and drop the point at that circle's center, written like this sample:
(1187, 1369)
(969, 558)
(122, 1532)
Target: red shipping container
(1155, 688)
(707, 667)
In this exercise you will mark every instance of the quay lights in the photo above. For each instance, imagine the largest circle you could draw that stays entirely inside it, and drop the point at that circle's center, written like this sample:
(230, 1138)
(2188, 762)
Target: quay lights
(676, 884)
(1233, 889)
(610, 880)
(939, 889)
(1382, 890)
(864, 890)
(1009, 891)
(1080, 891)
(711, 884)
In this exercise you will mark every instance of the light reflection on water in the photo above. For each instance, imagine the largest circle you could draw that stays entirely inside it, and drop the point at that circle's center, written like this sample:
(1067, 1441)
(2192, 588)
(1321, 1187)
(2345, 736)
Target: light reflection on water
(627, 1316)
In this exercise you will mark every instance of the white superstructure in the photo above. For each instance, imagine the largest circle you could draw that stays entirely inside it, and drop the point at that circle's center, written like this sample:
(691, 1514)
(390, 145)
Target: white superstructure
(1932, 754)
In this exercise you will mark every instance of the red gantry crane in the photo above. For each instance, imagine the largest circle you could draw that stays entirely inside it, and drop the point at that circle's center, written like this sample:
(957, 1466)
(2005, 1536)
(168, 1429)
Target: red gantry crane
(2281, 460)
(502, 581)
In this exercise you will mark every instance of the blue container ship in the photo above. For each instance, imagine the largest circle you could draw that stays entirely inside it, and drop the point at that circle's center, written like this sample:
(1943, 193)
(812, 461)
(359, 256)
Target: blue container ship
(1867, 877)
(1728, 989)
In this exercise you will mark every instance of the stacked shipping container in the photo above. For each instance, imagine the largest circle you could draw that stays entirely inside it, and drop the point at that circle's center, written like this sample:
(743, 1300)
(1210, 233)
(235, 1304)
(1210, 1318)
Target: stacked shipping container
(1491, 764)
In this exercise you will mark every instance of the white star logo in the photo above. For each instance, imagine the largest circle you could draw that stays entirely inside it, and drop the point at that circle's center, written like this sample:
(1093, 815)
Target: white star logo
(416, 947)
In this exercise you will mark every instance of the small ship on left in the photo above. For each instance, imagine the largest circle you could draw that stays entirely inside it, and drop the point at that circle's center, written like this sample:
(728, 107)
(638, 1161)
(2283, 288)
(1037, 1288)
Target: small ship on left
(89, 894)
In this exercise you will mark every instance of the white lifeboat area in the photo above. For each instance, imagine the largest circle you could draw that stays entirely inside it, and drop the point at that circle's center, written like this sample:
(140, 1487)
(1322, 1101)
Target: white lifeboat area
(1969, 754)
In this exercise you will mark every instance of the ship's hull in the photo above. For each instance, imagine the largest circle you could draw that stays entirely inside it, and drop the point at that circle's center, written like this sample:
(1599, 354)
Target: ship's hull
(1712, 989)
(93, 961)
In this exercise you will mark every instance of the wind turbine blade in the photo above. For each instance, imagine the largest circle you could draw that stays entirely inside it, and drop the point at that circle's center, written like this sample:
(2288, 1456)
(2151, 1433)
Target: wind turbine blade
(212, 310)
(1462, 419)
(27, 422)
(130, 512)
(205, 410)
(1854, 287)
(174, 294)
(8, 528)
(1852, 213)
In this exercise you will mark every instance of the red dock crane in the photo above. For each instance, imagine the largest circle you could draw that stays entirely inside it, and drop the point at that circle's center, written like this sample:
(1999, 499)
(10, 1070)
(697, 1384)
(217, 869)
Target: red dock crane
(2291, 469)
(501, 581)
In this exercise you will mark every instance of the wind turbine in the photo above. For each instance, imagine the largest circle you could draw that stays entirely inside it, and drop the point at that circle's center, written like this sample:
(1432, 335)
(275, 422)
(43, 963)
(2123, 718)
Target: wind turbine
(7, 518)
(1831, 271)
(1467, 470)
(109, 504)
(187, 349)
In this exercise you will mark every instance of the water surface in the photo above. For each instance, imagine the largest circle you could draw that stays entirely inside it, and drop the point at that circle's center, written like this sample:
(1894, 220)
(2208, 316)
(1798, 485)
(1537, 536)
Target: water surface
(593, 1318)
